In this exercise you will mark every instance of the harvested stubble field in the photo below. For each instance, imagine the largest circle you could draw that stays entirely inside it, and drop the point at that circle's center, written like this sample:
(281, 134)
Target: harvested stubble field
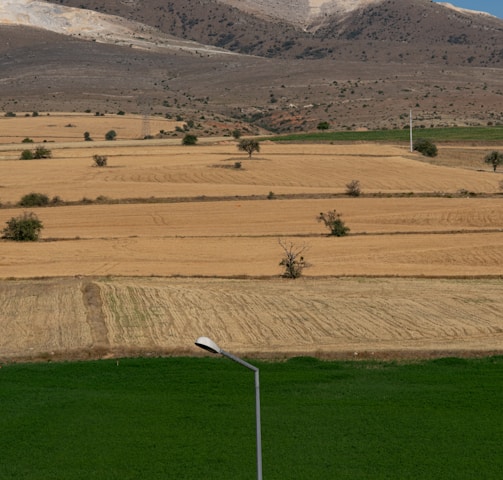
(195, 215)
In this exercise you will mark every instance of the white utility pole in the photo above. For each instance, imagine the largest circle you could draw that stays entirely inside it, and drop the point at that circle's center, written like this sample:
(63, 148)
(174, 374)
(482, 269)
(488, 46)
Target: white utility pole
(410, 121)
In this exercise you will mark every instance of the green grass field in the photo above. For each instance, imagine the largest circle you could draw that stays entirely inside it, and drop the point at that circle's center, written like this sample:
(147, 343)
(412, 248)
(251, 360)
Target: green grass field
(189, 418)
(453, 134)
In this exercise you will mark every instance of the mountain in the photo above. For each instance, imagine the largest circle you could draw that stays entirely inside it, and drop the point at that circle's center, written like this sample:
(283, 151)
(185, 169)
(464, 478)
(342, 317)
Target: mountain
(282, 65)
(375, 30)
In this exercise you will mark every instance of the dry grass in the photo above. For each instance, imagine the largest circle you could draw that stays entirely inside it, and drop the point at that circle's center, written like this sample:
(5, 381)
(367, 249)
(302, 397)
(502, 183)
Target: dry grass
(436, 237)
(325, 317)
(70, 127)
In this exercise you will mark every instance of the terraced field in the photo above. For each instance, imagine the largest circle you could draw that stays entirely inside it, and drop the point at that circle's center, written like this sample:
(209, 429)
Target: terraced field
(169, 242)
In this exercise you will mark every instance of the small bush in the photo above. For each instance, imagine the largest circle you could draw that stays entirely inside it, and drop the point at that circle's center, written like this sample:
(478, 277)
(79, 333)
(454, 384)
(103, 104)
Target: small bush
(87, 137)
(42, 152)
(353, 188)
(323, 126)
(189, 139)
(100, 160)
(34, 200)
(426, 147)
(26, 155)
(27, 140)
(236, 134)
(237, 165)
(24, 228)
(334, 223)
(111, 135)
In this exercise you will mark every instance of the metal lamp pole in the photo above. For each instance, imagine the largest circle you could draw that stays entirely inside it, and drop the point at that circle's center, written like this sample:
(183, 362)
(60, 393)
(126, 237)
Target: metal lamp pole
(210, 346)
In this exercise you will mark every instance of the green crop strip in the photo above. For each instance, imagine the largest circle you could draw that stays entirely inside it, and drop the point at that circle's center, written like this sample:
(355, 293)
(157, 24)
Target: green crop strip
(194, 418)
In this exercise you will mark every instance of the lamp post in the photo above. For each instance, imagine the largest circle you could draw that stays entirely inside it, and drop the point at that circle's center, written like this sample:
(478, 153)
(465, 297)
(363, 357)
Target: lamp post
(207, 344)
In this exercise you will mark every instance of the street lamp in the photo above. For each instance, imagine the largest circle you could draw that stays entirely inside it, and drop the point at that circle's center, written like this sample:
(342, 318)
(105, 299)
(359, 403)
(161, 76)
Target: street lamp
(207, 344)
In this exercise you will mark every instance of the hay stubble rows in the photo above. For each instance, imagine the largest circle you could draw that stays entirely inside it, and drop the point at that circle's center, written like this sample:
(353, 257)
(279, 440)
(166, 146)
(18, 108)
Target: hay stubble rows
(215, 223)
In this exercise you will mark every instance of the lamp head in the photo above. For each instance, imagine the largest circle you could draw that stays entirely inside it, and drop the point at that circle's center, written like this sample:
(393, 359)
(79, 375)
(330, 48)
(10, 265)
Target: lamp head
(207, 344)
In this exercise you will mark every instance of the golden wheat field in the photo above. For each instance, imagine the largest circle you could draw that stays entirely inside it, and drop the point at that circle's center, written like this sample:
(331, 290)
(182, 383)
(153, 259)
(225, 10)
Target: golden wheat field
(169, 242)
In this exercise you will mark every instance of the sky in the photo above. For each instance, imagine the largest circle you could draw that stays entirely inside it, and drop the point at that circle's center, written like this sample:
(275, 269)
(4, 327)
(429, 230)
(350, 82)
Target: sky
(494, 7)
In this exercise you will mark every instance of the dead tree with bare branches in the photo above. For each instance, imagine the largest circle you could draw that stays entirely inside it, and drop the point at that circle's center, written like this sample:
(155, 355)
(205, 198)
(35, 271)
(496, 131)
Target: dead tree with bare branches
(293, 261)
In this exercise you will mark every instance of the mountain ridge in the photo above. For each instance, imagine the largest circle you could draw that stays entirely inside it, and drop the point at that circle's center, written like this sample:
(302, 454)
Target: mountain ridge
(362, 69)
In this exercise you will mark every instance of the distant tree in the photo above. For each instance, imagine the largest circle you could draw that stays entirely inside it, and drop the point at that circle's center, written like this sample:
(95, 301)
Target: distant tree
(23, 228)
(293, 261)
(426, 147)
(236, 134)
(494, 158)
(334, 223)
(189, 139)
(249, 146)
(353, 188)
(34, 200)
(111, 135)
(26, 155)
(100, 160)
(42, 152)
(87, 137)
(323, 126)
(38, 153)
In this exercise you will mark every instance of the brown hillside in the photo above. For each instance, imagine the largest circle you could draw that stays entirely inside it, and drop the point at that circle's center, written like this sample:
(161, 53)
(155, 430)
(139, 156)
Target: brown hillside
(411, 31)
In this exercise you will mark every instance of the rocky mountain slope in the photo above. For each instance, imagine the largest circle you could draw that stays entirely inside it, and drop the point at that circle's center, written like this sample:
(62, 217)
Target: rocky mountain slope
(282, 65)
(370, 30)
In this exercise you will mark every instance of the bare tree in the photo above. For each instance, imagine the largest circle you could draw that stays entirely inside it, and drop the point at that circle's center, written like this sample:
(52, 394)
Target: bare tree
(293, 261)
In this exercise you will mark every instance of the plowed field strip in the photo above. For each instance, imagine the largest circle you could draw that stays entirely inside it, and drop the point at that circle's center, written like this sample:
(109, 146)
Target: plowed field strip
(41, 316)
(277, 317)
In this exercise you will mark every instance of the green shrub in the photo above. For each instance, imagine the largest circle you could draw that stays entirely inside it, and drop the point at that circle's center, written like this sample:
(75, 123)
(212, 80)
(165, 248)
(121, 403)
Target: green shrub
(426, 147)
(23, 228)
(34, 200)
(111, 135)
(27, 140)
(189, 139)
(42, 152)
(323, 126)
(26, 155)
(334, 223)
